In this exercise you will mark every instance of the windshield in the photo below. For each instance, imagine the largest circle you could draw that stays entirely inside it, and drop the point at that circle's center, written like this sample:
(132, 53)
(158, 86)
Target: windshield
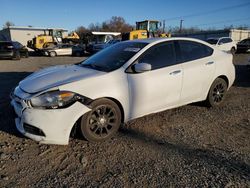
(212, 41)
(113, 57)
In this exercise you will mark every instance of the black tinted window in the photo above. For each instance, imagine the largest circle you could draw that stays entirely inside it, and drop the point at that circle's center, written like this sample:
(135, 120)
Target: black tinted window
(225, 40)
(246, 41)
(192, 50)
(212, 41)
(159, 56)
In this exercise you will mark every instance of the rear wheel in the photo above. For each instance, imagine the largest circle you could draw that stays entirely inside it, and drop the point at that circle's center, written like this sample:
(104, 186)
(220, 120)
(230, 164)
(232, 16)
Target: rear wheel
(217, 92)
(17, 56)
(102, 122)
(26, 54)
(52, 54)
(78, 54)
(233, 50)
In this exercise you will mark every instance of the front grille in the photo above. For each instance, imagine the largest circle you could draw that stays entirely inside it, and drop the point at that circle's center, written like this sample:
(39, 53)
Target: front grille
(33, 130)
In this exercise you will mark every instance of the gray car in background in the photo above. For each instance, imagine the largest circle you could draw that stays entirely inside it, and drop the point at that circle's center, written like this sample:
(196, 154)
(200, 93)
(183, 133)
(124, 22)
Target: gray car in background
(64, 49)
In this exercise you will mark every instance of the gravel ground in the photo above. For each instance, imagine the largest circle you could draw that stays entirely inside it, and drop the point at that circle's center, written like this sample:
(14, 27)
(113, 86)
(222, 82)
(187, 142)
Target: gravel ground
(190, 146)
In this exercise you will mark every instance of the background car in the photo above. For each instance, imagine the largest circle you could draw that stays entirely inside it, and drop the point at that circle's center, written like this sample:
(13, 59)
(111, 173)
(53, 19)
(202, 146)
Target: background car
(98, 47)
(224, 43)
(13, 50)
(64, 49)
(93, 48)
(244, 45)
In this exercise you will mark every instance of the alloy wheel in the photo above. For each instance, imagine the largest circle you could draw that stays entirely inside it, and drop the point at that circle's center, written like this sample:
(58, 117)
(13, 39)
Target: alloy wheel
(102, 120)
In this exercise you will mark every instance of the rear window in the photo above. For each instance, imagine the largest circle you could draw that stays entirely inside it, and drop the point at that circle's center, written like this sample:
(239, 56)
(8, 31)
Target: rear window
(193, 50)
(225, 40)
(246, 41)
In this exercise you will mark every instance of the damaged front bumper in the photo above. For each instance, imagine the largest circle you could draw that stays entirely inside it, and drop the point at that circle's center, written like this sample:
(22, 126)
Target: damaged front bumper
(47, 126)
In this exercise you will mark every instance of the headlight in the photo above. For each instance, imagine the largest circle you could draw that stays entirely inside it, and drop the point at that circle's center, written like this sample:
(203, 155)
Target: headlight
(54, 99)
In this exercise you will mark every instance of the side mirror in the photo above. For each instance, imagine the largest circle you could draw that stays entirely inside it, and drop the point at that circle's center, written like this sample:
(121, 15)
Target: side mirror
(220, 43)
(142, 67)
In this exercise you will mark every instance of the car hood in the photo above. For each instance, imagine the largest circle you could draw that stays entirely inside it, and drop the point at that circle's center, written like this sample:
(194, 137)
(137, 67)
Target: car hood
(56, 76)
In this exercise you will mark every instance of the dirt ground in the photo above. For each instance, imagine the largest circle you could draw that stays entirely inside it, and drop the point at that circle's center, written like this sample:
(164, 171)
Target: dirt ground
(190, 146)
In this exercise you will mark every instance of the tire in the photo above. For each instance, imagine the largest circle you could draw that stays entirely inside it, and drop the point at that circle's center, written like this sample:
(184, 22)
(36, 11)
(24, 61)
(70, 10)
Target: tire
(52, 54)
(77, 54)
(216, 94)
(233, 50)
(102, 122)
(17, 56)
(26, 54)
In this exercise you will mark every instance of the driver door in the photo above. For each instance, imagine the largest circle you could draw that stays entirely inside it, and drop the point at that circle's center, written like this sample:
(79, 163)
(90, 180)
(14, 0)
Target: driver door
(159, 88)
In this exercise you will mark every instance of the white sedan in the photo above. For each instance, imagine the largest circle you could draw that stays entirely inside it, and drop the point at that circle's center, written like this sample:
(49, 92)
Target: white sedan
(224, 43)
(123, 82)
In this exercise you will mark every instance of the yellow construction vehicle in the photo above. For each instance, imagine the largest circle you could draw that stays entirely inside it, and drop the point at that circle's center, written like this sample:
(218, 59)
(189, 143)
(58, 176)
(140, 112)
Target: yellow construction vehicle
(51, 37)
(145, 29)
(71, 38)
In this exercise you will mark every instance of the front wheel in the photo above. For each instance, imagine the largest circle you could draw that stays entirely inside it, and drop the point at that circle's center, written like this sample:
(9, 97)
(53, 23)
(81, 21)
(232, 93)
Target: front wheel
(233, 50)
(17, 56)
(26, 54)
(102, 122)
(52, 54)
(216, 94)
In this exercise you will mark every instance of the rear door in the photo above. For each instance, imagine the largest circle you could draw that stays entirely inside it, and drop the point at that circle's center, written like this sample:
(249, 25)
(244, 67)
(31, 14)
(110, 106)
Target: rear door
(66, 50)
(198, 69)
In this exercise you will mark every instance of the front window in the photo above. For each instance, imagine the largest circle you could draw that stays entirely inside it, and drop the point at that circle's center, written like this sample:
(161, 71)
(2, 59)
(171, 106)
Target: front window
(212, 41)
(113, 57)
(57, 33)
(159, 56)
(142, 26)
(153, 26)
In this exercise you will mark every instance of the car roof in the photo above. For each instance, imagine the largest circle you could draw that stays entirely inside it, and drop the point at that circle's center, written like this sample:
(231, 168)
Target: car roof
(158, 40)
(217, 38)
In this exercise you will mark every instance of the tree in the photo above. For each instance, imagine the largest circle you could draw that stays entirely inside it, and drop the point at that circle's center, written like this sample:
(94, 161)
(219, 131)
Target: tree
(83, 33)
(95, 27)
(8, 24)
(116, 24)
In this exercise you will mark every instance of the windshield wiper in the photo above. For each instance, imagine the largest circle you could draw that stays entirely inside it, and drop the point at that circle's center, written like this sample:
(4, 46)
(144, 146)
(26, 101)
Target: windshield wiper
(93, 66)
(87, 65)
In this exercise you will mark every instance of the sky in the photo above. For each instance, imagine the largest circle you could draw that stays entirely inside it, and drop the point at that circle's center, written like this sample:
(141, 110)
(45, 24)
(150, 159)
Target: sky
(70, 14)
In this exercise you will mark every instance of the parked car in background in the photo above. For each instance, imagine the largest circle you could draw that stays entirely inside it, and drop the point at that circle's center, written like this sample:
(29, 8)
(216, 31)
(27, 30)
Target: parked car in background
(13, 50)
(224, 43)
(248, 64)
(64, 49)
(244, 45)
(98, 47)
(125, 81)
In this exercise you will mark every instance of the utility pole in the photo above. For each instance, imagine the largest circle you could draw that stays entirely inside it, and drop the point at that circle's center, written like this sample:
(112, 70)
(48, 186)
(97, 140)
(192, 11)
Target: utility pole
(163, 28)
(181, 25)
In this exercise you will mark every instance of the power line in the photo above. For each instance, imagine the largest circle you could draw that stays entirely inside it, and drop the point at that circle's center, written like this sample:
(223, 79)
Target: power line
(220, 22)
(209, 12)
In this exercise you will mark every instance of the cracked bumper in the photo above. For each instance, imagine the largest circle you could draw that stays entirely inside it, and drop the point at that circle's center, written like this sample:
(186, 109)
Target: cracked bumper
(56, 124)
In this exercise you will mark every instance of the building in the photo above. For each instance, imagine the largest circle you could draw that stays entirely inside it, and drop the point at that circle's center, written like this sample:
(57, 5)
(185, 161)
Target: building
(236, 34)
(24, 34)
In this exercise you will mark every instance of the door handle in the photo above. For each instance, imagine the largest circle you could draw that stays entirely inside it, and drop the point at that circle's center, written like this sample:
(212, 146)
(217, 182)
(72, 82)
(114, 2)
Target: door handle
(175, 72)
(210, 63)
